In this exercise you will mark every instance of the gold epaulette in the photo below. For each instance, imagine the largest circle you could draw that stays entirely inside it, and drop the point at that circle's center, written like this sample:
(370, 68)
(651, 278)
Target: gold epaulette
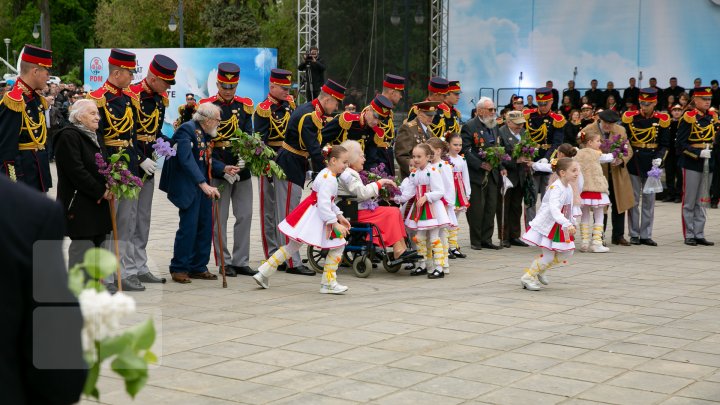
(181, 109)
(316, 120)
(166, 100)
(628, 116)
(263, 109)
(689, 117)
(559, 123)
(13, 100)
(248, 109)
(664, 119)
(44, 102)
(291, 100)
(346, 119)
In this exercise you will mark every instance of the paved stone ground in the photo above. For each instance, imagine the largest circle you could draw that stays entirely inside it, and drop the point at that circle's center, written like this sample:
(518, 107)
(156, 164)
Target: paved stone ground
(638, 325)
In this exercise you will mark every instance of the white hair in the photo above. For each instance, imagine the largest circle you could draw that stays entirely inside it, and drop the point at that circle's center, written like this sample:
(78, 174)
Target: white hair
(78, 108)
(206, 111)
(482, 101)
(354, 150)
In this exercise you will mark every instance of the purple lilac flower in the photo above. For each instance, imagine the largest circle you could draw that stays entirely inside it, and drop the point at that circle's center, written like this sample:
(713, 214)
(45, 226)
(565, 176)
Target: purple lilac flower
(655, 172)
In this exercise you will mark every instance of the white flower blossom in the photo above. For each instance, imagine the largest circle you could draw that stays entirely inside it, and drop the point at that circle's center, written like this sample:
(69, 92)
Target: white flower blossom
(102, 313)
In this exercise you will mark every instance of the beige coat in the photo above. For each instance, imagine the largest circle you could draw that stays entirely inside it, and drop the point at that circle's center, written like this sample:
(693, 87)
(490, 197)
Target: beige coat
(593, 176)
(622, 187)
(409, 135)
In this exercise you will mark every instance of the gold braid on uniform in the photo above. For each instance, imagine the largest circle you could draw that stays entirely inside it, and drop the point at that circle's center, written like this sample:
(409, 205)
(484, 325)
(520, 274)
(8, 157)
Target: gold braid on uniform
(148, 123)
(278, 126)
(642, 135)
(318, 124)
(702, 134)
(117, 126)
(227, 128)
(438, 130)
(31, 126)
(536, 135)
(14, 105)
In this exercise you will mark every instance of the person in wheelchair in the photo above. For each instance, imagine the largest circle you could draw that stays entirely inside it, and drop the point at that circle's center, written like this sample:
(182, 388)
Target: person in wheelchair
(387, 219)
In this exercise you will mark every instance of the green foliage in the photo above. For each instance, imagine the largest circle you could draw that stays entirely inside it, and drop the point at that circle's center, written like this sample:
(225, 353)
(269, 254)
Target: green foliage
(73, 76)
(230, 24)
(97, 264)
(258, 157)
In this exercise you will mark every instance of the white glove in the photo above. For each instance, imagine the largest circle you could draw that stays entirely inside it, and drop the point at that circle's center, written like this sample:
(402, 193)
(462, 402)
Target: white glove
(705, 153)
(657, 162)
(542, 165)
(230, 178)
(149, 166)
(241, 164)
(237, 177)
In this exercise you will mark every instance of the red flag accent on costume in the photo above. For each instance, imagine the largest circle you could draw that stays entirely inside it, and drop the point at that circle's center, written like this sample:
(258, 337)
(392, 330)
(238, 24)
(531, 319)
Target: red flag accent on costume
(294, 217)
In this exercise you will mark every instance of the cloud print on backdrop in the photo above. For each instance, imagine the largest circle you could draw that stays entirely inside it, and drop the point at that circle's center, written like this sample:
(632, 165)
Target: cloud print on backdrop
(492, 41)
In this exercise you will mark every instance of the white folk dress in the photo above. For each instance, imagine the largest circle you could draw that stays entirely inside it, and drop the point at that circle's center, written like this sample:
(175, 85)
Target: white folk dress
(446, 169)
(549, 228)
(461, 181)
(311, 222)
(424, 182)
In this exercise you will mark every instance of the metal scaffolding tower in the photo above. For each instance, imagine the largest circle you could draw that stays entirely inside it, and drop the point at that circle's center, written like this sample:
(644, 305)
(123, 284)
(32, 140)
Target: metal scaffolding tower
(439, 15)
(308, 35)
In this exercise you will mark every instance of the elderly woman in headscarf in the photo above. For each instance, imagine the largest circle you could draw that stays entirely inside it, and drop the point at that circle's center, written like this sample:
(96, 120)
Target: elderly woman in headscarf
(388, 219)
(81, 188)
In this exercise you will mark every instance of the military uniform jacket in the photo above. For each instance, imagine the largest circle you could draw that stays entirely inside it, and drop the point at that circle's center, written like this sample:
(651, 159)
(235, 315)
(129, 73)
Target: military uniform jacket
(352, 126)
(118, 116)
(475, 136)
(23, 133)
(183, 173)
(409, 135)
(547, 130)
(649, 138)
(302, 141)
(447, 119)
(695, 131)
(185, 113)
(271, 120)
(151, 116)
(234, 114)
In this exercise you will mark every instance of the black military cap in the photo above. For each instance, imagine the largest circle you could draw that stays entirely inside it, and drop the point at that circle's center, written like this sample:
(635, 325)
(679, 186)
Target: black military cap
(438, 85)
(164, 68)
(381, 105)
(394, 82)
(124, 59)
(334, 89)
(609, 116)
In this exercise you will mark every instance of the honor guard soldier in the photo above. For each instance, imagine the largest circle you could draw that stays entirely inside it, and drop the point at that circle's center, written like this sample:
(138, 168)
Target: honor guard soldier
(647, 131)
(451, 115)
(393, 87)
(437, 88)
(362, 127)
(413, 133)
(153, 99)
(118, 108)
(23, 130)
(302, 142)
(546, 128)
(229, 172)
(186, 111)
(695, 140)
(271, 121)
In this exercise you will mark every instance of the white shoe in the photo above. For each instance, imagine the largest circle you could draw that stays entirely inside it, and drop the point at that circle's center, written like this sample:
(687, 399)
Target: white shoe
(334, 288)
(529, 283)
(598, 248)
(543, 278)
(261, 280)
(584, 247)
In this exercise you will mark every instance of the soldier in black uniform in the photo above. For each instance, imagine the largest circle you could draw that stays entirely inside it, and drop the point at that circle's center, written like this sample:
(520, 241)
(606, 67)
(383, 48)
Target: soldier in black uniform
(448, 115)
(545, 128)
(23, 130)
(230, 174)
(695, 138)
(118, 108)
(302, 142)
(186, 111)
(153, 99)
(393, 87)
(362, 127)
(673, 175)
(647, 131)
(271, 121)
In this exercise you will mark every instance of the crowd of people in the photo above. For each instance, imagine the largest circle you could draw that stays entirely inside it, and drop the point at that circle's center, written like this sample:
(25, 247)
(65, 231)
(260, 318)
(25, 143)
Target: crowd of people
(448, 166)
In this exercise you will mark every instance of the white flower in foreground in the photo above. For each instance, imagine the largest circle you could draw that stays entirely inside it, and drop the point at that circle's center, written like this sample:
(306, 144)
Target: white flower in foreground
(102, 313)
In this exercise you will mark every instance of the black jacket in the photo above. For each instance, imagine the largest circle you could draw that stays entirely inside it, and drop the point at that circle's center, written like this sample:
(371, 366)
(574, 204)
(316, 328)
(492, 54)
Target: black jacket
(475, 135)
(516, 172)
(80, 185)
(41, 318)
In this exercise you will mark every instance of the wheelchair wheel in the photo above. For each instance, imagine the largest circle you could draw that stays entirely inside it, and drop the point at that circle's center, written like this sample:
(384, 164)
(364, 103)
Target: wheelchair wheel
(390, 269)
(316, 258)
(362, 266)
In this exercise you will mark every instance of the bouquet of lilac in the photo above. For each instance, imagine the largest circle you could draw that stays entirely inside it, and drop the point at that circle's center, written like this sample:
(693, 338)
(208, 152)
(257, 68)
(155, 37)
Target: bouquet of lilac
(121, 182)
(615, 145)
(653, 183)
(525, 148)
(387, 194)
(163, 149)
(494, 155)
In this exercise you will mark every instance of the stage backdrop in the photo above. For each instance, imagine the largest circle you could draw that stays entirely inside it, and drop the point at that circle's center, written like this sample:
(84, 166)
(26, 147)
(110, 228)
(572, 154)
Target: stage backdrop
(492, 41)
(197, 72)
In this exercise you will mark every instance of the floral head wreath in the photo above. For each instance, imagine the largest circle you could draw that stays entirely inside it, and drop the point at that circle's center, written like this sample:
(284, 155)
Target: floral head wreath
(581, 137)
(326, 150)
(553, 163)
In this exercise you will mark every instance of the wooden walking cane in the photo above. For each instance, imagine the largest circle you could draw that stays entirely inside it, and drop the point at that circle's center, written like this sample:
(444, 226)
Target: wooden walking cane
(115, 241)
(216, 217)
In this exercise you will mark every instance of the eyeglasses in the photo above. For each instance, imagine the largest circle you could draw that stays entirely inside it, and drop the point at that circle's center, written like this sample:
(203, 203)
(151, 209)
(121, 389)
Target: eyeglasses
(490, 109)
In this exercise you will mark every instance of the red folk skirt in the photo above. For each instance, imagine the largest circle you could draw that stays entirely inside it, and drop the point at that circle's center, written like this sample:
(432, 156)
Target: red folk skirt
(390, 222)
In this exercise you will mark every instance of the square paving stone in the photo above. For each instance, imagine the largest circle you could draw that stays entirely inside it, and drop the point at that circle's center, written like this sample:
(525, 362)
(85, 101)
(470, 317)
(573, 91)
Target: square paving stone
(238, 369)
(427, 364)
(553, 385)
(522, 362)
(514, 396)
(417, 398)
(281, 357)
(702, 390)
(489, 374)
(393, 376)
(650, 382)
(454, 387)
(354, 390)
(294, 379)
(371, 355)
(674, 368)
(583, 371)
(551, 350)
(621, 396)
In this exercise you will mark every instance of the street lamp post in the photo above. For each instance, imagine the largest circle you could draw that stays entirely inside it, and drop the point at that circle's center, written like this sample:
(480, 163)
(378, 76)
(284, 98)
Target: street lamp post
(7, 54)
(395, 20)
(172, 25)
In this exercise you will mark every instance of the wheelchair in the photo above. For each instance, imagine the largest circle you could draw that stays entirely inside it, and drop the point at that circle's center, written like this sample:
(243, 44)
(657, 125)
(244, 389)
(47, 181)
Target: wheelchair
(360, 252)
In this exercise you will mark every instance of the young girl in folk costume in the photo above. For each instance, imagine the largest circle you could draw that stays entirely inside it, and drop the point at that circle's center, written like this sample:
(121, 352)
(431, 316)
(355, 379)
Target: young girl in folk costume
(316, 221)
(553, 227)
(440, 149)
(569, 151)
(594, 193)
(461, 183)
(426, 214)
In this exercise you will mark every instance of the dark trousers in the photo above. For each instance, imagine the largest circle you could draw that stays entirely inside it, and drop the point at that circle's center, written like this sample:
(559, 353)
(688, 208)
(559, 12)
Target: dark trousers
(513, 201)
(618, 219)
(481, 213)
(673, 175)
(193, 238)
(78, 247)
